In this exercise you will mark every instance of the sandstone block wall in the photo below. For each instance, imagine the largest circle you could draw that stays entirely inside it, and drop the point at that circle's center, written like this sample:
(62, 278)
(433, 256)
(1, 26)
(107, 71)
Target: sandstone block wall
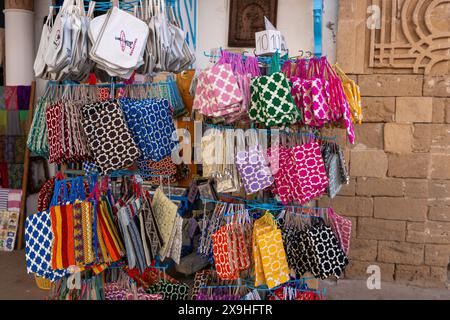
(399, 195)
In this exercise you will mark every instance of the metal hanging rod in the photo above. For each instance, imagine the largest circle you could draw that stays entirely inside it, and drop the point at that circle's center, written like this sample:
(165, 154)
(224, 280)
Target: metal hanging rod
(105, 6)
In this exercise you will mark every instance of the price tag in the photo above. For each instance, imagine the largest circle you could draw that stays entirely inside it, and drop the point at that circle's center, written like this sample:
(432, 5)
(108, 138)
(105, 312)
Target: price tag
(268, 42)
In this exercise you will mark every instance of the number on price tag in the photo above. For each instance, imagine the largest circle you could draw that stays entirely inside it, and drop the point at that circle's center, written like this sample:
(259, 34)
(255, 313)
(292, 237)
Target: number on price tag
(268, 42)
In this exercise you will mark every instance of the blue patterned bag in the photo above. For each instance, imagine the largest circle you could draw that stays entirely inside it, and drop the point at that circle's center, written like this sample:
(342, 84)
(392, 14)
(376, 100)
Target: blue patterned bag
(38, 247)
(151, 124)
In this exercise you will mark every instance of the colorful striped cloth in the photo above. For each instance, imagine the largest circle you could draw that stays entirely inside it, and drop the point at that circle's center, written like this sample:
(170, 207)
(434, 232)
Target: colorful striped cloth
(14, 199)
(110, 234)
(63, 255)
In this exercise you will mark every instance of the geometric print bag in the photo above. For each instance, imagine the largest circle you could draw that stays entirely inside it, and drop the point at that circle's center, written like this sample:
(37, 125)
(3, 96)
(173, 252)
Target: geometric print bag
(271, 266)
(342, 227)
(38, 247)
(150, 121)
(108, 136)
(331, 160)
(326, 253)
(271, 101)
(253, 168)
(310, 178)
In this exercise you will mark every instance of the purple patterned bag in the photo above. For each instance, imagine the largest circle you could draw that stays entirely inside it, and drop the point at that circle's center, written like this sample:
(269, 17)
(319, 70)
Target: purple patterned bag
(253, 169)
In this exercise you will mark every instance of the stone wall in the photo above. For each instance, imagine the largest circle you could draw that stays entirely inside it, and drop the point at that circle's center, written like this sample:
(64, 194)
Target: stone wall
(399, 196)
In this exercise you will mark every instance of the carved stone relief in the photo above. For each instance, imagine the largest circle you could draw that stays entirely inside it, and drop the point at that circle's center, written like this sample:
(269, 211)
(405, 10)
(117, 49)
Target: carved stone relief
(412, 34)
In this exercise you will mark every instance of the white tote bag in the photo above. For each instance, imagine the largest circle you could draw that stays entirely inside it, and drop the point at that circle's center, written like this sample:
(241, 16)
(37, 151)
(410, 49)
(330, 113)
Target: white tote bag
(72, 30)
(122, 41)
(56, 57)
(39, 63)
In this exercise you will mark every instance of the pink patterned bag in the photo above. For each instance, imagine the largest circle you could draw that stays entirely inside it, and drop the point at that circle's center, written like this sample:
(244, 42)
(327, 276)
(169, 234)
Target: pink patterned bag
(342, 227)
(224, 86)
(339, 103)
(201, 101)
(310, 176)
(299, 172)
(217, 93)
(281, 165)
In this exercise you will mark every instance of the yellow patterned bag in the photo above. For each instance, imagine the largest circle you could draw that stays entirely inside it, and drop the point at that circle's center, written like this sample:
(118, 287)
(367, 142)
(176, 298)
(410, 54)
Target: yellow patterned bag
(165, 214)
(271, 267)
(353, 95)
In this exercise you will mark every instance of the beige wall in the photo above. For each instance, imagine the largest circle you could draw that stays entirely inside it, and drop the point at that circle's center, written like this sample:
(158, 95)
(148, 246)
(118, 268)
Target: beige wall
(399, 197)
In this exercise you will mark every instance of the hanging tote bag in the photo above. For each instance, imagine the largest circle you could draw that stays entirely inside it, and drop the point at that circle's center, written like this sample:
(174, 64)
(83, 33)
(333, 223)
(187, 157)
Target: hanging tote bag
(328, 256)
(253, 169)
(339, 100)
(342, 227)
(122, 40)
(353, 93)
(222, 252)
(165, 213)
(63, 252)
(309, 177)
(283, 169)
(270, 256)
(37, 140)
(39, 63)
(224, 87)
(54, 119)
(38, 246)
(151, 123)
(59, 52)
(108, 136)
(272, 101)
(332, 162)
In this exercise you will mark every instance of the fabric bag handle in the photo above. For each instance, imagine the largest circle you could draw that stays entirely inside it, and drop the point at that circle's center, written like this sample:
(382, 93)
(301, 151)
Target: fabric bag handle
(56, 189)
(73, 190)
(287, 68)
(275, 66)
(252, 67)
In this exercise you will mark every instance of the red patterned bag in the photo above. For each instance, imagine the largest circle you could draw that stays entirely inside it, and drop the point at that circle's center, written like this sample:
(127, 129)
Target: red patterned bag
(45, 195)
(157, 172)
(55, 137)
(221, 249)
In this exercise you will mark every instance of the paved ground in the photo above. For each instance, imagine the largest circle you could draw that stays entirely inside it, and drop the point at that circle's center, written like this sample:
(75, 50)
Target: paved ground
(16, 284)
(357, 290)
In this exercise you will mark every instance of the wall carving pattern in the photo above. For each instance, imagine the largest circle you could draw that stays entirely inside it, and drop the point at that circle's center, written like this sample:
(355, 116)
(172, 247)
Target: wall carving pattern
(414, 34)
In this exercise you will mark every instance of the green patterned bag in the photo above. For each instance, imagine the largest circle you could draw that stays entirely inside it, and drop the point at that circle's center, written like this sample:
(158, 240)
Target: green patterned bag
(272, 103)
(37, 138)
(170, 291)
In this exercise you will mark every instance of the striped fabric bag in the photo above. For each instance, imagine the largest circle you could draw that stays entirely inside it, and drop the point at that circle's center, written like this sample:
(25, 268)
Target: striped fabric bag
(14, 199)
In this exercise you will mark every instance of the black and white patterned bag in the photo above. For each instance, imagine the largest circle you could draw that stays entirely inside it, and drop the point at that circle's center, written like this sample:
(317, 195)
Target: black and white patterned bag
(108, 136)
